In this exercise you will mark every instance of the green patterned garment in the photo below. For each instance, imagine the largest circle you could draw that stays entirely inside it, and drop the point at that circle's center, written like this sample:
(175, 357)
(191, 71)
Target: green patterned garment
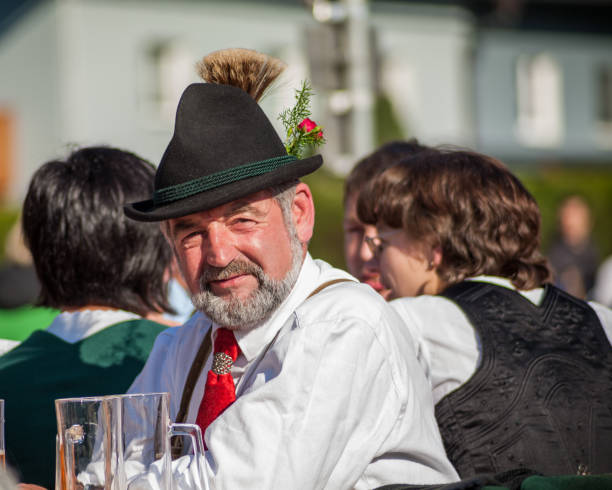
(44, 367)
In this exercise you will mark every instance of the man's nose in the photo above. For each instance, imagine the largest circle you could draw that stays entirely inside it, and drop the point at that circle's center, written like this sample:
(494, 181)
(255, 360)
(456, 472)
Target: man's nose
(220, 247)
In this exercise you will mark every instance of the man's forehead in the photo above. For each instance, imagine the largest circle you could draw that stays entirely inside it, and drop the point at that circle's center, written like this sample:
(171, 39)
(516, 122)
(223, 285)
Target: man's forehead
(258, 203)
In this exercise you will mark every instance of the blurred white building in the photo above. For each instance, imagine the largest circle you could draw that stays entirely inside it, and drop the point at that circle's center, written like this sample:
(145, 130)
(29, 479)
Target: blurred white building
(544, 95)
(85, 72)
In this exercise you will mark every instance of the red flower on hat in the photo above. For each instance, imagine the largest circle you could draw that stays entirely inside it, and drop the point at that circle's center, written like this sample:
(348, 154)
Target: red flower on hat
(301, 134)
(308, 125)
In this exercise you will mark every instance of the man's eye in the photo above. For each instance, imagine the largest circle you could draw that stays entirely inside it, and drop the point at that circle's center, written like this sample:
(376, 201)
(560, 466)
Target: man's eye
(192, 239)
(242, 223)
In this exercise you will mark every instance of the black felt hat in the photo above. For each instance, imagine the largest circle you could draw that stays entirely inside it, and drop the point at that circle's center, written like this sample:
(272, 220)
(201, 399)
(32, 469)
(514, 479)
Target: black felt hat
(223, 148)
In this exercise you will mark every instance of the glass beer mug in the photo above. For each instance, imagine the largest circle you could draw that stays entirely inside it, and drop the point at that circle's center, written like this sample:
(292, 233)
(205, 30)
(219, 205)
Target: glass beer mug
(88, 443)
(122, 442)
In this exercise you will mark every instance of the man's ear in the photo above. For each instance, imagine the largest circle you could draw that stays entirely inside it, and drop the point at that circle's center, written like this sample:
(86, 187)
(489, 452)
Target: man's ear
(303, 212)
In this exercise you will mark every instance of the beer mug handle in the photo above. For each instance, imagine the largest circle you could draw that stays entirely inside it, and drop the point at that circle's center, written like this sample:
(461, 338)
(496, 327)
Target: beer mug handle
(194, 432)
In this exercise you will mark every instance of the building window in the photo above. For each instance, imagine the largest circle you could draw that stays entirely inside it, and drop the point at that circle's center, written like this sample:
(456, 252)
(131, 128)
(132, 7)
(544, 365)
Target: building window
(604, 92)
(167, 68)
(603, 104)
(539, 95)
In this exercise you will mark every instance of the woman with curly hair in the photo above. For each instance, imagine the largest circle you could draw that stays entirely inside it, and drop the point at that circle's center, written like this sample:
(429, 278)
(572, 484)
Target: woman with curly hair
(521, 371)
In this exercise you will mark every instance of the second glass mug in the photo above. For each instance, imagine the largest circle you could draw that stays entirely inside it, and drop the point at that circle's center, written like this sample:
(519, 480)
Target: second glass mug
(122, 442)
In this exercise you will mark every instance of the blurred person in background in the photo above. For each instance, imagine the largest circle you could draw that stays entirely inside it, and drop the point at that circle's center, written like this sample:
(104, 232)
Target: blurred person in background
(573, 255)
(521, 371)
(359, 259)
(106, 274)
(18, 283)
(19, 289)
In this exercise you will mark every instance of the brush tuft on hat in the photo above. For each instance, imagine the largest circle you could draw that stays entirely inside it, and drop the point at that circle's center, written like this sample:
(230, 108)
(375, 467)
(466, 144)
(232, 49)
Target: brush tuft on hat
(247, 69)
(224, 147)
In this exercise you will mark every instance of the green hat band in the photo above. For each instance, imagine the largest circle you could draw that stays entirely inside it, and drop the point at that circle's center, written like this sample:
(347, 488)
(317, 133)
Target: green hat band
(187, 189)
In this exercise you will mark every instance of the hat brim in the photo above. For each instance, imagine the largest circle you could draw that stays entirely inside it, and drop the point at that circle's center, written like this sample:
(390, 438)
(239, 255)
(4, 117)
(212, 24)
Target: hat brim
(149, 211)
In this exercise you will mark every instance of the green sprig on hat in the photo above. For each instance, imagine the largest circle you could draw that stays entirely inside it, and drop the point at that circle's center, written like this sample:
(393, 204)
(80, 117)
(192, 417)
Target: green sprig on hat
(300, 130)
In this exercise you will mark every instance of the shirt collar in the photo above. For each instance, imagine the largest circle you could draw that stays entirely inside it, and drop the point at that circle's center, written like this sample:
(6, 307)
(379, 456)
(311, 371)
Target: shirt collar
(252, 341)
(533, 295)
(74, 326)
(499, 281)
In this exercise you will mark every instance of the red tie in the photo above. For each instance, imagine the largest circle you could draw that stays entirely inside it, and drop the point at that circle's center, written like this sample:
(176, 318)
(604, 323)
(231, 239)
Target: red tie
(219, 392)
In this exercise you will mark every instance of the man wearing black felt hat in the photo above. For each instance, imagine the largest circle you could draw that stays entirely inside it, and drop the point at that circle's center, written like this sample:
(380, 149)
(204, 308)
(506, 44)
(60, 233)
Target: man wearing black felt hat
(298, 376)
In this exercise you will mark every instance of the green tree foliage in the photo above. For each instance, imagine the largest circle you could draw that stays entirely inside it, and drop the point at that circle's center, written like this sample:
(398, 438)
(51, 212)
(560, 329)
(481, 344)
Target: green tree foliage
(327, 191)
(8, 216)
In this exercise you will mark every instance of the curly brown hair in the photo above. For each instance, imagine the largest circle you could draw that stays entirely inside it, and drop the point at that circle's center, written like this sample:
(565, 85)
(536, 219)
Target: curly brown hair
(381, 158)
(468, 204)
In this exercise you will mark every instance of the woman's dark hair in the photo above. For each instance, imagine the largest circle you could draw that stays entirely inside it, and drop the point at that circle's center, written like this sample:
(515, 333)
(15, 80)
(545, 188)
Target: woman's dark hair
(388, 154)
(468, 204)
(85, 250)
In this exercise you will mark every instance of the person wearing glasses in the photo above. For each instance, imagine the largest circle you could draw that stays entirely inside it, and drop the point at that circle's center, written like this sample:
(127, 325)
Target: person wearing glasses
(359, 259)
(521, 372)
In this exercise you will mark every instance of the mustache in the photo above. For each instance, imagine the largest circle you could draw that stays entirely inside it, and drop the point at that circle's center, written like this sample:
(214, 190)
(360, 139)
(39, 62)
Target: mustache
(235, 267)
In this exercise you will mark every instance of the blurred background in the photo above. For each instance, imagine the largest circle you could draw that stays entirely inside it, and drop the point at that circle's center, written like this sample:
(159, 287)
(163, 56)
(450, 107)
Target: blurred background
(527, 81)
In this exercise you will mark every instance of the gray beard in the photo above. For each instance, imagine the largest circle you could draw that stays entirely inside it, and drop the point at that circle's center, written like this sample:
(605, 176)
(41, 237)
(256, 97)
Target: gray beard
(244, 314)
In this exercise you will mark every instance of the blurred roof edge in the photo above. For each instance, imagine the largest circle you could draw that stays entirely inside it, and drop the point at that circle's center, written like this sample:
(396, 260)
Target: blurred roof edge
(580, 16)
(593, 16)
(12, 11)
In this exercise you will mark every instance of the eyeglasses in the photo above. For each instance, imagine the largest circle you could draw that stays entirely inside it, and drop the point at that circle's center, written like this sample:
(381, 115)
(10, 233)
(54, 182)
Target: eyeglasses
(377, 243)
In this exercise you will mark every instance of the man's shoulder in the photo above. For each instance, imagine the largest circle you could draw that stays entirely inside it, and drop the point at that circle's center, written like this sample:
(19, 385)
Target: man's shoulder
(355, 316)
(346, 304)
(337, 292)
(345, 295)
(193, 330)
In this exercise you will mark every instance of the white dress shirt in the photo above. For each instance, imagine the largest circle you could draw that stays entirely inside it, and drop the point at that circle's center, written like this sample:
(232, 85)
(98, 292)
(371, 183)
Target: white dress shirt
(602, 291)
(337, 401)
(447, 344)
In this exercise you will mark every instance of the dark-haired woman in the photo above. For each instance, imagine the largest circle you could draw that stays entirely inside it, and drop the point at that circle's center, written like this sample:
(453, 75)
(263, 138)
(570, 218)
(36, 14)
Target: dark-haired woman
(521, 372)
(106, 274)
